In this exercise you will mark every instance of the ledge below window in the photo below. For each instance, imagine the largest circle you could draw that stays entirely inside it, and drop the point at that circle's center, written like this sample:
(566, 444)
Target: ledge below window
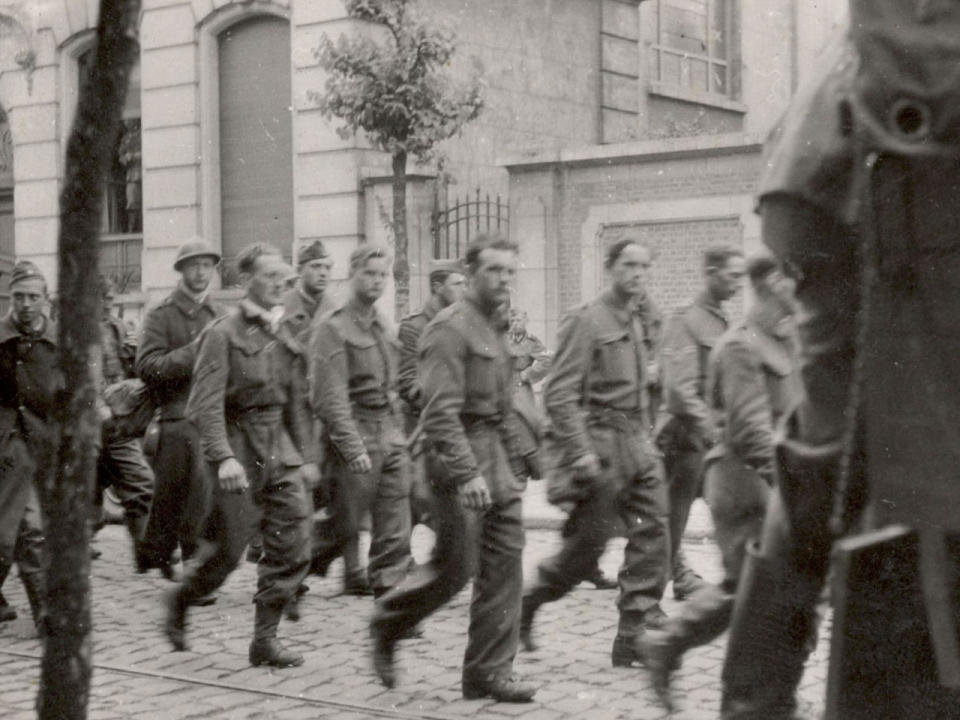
(676, 92)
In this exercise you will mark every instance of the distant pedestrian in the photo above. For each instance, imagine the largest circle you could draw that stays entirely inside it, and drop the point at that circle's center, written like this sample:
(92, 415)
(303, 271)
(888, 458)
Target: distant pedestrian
(248, 403)
(596, 398)
(465, 374)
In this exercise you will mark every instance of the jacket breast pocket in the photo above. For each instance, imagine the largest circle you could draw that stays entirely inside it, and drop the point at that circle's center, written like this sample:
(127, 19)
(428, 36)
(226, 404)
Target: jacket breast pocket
(364, 360)
(250, 362)
(481, 375)
(617, 358)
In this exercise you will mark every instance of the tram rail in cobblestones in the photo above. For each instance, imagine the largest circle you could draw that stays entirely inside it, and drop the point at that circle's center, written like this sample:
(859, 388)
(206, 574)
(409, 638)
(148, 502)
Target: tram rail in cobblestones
(358, 707)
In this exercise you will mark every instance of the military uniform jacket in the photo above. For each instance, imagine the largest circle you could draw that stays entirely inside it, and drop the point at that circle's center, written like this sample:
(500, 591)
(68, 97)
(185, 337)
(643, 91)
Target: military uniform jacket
(411, 328)
(690, 335)
(248, 396)
(467, 375)
(752, 383)
(168, 349)
(30, 378)
(299, 311)
(353, 364)
(599, 371)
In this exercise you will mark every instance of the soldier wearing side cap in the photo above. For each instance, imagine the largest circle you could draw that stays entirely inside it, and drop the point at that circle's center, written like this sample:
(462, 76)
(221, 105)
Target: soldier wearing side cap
(165, 363)
(29, 382)
(255, 433)
(309, 298)
(353, 374)
(447, 286)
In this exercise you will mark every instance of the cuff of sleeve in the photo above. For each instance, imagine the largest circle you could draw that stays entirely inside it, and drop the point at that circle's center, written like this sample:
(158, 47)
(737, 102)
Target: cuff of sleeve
(217, 454)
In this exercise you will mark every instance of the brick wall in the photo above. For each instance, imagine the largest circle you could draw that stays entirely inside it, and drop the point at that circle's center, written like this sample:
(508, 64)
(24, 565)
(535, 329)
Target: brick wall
(585, 188)
(676, 275)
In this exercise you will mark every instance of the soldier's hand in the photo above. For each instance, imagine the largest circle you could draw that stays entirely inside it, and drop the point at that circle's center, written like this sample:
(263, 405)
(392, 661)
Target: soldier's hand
(587, 467)
(360, 465)
(475, 495)
(311, 474)
(231, 476)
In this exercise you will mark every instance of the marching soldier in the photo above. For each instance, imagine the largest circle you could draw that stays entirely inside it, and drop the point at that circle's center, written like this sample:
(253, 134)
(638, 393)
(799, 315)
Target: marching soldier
(752, 383)
(596, 398)
(29, 382)
(685, 427)
(309, 298)
(447, 286)
(353, 358)
(248, 404)
(165, 362)
(122, 464)
(465, 372)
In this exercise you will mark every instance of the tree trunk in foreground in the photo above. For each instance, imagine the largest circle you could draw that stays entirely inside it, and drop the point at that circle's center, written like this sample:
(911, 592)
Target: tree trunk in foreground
(66, 489)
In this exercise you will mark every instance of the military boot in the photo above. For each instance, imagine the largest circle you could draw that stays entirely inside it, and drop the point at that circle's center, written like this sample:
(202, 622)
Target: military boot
(175, 623)
(382, 656)
(36, 587)
(685, 580)
(265, 648)
(626, 648)
(506, 688)
(768, 642)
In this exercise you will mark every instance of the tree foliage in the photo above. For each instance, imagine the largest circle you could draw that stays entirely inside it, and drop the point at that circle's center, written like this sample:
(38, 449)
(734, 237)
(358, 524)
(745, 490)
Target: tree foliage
(393, 83)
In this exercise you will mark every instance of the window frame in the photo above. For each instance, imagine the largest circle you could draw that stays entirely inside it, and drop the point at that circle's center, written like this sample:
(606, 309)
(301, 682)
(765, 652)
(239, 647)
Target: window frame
(687, 92)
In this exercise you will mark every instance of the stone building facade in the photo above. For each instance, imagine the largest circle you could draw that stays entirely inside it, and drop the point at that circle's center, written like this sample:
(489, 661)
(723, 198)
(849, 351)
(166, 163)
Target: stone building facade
(602, 117)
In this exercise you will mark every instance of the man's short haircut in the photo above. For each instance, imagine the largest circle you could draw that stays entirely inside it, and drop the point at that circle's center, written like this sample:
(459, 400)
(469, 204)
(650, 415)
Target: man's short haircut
(759, 266)
(247, 258)
(486, 241)
(616, 250)
(363, 253)
(718, 256)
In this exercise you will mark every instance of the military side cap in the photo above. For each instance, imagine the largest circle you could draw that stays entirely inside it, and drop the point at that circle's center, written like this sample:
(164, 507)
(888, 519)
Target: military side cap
(314, 251)
(362, 253)
(25, 270)
(195, 248)
(452, 265)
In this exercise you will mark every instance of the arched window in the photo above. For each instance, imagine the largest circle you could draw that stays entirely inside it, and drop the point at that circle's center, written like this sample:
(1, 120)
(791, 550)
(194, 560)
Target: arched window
(255, 136)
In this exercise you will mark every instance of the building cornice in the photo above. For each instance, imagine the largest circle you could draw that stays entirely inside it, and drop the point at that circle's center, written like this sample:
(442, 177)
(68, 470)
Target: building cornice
(640, 151)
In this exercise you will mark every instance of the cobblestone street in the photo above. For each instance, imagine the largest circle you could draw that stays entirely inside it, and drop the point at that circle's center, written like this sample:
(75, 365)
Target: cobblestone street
(137, 676)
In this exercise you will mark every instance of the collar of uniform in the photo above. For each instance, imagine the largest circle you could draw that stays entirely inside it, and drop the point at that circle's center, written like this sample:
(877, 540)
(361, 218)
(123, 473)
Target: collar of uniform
(309, 303)
(9, 330)
(432, 307)
(622, 311)
(706, 302)
(364, 318)
(188, 303)
(270, 319)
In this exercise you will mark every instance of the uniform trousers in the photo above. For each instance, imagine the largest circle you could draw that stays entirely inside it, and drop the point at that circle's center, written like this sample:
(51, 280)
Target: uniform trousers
(384, 492)
(123, 467)
(182, 492)
(21, 530)
(683, 467)
(277, 506)
(487, 546)
(631, 491)
(737, 497)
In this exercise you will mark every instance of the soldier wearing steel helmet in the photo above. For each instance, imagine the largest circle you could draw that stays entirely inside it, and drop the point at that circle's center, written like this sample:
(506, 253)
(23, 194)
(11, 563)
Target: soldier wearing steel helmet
(165, 363)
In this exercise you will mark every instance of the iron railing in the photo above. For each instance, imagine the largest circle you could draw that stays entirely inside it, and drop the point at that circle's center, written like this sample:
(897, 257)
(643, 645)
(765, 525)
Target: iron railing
(454, 226)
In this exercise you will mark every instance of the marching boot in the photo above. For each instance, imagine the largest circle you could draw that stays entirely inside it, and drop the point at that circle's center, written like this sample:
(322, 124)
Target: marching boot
(7, 613)
(702, 619)
(685, 581)
(33, 583)
(265, 648)
(633, 623)
(382, 655)
(292, 609)
(137, 527)
(175, 624)
(528, 609)
(768, 643)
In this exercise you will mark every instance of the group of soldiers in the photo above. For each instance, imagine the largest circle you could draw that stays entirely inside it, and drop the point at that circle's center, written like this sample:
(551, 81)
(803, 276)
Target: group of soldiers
(290, 402)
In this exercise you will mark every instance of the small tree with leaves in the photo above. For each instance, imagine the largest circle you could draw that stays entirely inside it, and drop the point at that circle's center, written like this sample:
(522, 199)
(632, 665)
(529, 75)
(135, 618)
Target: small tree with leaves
(397, 90)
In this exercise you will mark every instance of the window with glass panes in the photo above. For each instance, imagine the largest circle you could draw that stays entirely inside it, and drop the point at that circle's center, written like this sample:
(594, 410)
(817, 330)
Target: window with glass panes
(689, 44)
(121, 229)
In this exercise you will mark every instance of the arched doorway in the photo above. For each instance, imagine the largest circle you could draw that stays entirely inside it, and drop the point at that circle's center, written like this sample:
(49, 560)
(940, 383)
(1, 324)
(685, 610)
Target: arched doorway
(6, 211)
